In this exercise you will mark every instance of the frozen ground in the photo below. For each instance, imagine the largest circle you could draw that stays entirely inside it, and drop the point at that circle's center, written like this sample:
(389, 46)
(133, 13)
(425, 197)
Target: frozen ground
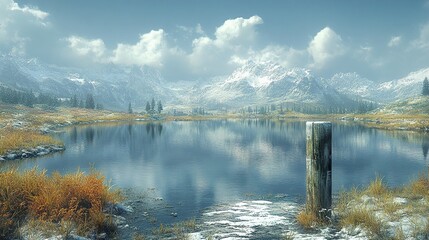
(261, 219)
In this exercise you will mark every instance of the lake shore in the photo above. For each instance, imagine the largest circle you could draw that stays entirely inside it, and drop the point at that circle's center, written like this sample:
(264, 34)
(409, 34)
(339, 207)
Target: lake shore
(44, 122)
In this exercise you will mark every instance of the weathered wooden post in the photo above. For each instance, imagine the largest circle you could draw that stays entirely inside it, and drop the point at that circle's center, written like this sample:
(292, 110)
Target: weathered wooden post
(319, 169)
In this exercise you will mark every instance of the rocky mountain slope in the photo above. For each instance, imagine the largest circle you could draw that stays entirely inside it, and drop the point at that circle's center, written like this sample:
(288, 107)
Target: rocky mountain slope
(250, 85)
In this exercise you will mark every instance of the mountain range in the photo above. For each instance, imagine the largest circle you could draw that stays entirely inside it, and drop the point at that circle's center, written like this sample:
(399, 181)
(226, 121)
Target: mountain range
(252, 84)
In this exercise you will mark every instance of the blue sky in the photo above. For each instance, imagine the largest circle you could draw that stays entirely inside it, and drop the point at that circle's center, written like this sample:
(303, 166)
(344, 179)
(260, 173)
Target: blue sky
(186, 40)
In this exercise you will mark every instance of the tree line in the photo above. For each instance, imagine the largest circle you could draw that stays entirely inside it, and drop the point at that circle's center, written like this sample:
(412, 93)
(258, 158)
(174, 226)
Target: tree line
(152, 107)
(359, 106)
(27, 98)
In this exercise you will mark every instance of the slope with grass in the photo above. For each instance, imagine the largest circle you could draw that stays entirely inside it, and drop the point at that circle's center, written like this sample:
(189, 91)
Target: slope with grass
(409, 114)
(380, 212)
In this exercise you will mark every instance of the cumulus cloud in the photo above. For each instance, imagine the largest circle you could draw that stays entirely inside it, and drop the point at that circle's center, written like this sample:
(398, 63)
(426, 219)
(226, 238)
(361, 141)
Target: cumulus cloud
(18, 25)
(237, 31)
(87, 47)
(233, 40)
(325, 46)
(394, 41)
(149, 50)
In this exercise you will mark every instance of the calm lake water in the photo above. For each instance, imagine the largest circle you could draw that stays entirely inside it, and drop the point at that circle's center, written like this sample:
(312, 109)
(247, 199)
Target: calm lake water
(195, 165)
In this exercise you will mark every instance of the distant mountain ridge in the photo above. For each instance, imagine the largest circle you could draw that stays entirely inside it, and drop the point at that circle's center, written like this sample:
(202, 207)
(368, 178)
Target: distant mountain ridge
(252, 84)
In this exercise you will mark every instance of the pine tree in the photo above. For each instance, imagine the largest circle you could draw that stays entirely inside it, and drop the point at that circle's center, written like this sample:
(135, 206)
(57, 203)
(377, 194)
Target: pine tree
(130, 110)
(159, 106)
(90, 104)
(425, 90)
(152, 105)
(147, 107)
(74, 102)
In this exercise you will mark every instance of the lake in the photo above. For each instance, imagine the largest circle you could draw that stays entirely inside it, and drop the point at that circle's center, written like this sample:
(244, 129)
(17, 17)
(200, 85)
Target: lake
(195, 165)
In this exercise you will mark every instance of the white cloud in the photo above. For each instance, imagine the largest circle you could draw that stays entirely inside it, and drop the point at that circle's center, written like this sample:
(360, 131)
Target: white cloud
(423, 40)
(41, 15)
(237, 31)
(325, 46)
(199, 29)
(18, 25)
(87, 47)
(233, 40)
(394, 41)
(288, 57)
(149, 50)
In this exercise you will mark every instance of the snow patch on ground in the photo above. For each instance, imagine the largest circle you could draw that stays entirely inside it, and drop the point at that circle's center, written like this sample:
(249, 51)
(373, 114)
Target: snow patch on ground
(263, 220)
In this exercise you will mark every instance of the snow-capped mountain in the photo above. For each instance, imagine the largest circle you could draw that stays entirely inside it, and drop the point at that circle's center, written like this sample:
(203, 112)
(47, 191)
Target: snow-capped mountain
(111, 85)
(263, 83)
(399, 89)
(352, 84)
(356, 86)
(254, 83)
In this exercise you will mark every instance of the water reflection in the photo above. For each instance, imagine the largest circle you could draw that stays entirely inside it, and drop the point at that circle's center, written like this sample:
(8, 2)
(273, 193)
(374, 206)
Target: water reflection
(196, 164)
(425, 147)
(89, 134)
(154, 129)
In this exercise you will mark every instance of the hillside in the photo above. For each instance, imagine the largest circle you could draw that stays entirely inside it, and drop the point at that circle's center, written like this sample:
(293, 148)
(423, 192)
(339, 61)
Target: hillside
(252, 84)
(412, 106)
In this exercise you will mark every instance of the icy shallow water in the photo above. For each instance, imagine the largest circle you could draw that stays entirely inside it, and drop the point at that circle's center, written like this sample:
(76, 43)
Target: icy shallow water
(257, 217)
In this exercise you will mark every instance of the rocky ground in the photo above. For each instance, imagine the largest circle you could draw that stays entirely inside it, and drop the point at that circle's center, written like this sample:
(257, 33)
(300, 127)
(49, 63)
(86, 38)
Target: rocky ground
(31, 152)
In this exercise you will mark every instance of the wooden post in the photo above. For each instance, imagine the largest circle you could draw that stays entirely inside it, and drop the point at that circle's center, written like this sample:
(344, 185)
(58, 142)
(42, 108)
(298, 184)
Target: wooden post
(319, 169)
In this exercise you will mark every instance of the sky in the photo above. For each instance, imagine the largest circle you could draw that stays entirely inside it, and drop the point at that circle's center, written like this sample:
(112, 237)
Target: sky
(193, 39)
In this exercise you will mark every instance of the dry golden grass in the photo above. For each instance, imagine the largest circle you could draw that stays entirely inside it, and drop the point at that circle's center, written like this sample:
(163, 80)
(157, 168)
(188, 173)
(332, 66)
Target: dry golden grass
(28, 136)
(419, 187)
(175, 231)
(393, 121)
(363, 218)
(307, 219)
(13, 139)
(77, 198)
(377, 188)
(354, 209)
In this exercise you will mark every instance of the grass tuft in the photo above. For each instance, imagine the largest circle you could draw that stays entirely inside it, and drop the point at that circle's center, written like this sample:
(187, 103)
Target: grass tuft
(307, 219)
(76, 198)
(420, 187)
(176, 231)
(377, 188)
(363, 218)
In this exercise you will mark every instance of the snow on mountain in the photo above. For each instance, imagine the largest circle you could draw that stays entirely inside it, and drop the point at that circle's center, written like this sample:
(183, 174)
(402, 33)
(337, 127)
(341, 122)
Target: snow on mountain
(254, 83)
(408, 86)
(263, 83)
(111, 85)
(352, 84)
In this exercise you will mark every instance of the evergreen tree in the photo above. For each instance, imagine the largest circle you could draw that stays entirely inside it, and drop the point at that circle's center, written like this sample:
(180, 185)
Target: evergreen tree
(425, 90)
(148, 107)
(90, 104)
(74, 102)
(152, 105)
(159, 106)
(130, 110)
(99, 106)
